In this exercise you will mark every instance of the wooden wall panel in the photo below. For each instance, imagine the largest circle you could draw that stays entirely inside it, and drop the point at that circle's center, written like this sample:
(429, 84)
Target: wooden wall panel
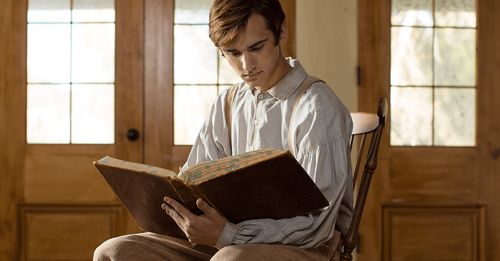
(59, 232)
(433, 233)
(445, 176)
(65, 174)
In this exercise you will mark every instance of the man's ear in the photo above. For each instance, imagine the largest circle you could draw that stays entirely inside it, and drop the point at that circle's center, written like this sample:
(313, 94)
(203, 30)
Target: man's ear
(283, 33)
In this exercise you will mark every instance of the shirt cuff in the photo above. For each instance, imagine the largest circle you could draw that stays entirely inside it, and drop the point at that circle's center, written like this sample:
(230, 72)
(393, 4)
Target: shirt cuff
(227, 236)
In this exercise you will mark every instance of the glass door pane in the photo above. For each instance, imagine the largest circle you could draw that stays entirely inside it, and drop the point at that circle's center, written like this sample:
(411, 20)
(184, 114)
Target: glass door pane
(71, 71)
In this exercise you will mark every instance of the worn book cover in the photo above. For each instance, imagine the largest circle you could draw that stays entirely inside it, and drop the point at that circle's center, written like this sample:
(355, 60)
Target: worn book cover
(265, 183)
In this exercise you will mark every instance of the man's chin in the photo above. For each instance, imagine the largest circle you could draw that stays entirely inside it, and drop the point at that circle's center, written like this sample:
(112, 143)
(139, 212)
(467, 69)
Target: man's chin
(252, 84)
(253, 81)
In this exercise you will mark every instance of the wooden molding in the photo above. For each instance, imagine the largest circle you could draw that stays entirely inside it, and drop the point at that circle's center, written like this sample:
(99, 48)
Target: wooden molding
(433, 232)
(73, 230)
(289, 48)
(158, 82)
(12, 118)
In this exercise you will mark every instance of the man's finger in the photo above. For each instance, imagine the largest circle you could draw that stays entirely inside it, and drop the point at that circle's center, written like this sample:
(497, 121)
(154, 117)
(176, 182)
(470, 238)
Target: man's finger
(179, 220)
(181, 210)
(172, 213)
(205, 207)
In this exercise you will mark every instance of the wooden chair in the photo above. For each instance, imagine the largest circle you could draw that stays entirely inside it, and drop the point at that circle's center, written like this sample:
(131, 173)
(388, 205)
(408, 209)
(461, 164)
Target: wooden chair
(365, 125)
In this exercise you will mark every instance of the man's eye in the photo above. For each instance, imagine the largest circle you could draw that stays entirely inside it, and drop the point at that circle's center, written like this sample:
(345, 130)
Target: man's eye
(256, 48)
(234, 54)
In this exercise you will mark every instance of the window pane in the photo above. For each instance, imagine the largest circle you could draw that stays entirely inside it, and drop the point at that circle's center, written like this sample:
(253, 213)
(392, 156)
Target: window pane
(412, 12)
(411, 116)
(92, 113)
(48, 113)
(455, 117)
(192, 11)
(411, 56)
(226, 73)
(195, 57)
(191, 108)
(441, 59)
(458, 13)
(455, 57)
(48, 43)
(93, 53)
(49, 11)
(93, 11)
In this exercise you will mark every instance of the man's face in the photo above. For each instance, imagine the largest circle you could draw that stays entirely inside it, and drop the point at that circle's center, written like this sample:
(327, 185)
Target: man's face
(254, 55)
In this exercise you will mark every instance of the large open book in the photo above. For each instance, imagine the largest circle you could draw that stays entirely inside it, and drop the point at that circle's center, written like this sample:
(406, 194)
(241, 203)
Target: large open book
(266, 183)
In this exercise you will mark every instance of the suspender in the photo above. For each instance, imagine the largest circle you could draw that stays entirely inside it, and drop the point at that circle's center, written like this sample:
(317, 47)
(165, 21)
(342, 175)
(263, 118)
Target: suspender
(228, 111)
(306, 83)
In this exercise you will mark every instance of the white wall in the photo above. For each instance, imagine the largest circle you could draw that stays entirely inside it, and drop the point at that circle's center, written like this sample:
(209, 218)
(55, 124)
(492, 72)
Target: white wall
(326, 33)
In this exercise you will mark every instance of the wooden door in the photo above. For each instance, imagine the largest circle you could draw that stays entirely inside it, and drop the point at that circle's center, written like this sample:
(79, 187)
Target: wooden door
(53, 204)
(52, 194)
(432, 203)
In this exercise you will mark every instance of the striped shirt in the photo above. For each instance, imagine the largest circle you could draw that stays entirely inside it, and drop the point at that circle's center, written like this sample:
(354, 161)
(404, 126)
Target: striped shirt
(321, 128)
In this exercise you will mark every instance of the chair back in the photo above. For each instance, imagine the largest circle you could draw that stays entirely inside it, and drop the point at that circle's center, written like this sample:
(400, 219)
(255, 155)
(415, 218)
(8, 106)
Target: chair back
(366, 126)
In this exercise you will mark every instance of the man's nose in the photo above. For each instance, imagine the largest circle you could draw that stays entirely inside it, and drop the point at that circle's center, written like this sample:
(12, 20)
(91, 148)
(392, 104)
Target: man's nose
(247, 62)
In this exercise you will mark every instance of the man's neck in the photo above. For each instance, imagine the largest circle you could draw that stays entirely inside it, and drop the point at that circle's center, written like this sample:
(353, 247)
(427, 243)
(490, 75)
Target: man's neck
(282, 69)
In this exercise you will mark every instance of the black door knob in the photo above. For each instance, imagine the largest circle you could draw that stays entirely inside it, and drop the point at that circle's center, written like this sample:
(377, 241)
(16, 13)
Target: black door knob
(132, 134)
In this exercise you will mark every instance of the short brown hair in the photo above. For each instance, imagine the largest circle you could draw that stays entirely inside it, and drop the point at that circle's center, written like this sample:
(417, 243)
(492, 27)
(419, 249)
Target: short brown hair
(229, 17)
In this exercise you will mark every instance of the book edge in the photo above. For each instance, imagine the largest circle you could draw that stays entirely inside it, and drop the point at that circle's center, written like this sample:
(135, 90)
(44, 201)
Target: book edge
(135, 166)
(201, 180)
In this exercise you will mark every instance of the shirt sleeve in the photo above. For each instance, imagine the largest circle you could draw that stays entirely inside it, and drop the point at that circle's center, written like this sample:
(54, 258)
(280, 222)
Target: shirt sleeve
(326, 159)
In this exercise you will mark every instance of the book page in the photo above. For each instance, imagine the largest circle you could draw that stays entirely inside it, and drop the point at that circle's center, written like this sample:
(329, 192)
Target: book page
(207, 170)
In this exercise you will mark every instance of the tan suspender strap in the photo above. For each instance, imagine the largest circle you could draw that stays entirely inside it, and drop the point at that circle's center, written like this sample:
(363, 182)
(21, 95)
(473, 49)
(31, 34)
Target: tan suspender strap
(306, 83)
(228, 110)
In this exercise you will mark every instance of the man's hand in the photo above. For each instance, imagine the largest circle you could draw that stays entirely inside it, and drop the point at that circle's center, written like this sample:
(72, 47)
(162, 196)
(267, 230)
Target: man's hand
(204, 229)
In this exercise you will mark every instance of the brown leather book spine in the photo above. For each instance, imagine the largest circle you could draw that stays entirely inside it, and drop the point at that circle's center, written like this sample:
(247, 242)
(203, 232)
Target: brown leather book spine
(187, 195)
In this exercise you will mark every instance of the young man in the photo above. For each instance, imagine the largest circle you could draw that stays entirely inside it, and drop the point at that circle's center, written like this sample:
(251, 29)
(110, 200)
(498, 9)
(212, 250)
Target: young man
(249, 33)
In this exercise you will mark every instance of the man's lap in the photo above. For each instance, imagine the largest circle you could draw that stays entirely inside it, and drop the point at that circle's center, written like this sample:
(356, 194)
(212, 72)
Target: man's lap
(151, 246)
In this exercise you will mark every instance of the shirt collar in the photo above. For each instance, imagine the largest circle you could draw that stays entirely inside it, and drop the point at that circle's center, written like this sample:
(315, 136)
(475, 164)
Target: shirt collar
(284, 88)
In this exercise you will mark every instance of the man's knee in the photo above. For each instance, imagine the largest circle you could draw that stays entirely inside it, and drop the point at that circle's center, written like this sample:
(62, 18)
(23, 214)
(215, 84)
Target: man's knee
(232, 253)
(111, 249)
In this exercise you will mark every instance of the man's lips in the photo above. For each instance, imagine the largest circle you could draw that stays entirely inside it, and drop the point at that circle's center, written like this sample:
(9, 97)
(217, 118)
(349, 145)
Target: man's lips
(251, 76)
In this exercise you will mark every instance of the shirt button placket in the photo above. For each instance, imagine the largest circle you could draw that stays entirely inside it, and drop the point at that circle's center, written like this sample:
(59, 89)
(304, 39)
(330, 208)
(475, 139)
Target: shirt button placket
(260, 96)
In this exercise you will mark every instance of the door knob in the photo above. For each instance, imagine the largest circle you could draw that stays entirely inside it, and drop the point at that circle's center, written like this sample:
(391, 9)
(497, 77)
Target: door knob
(132, 134)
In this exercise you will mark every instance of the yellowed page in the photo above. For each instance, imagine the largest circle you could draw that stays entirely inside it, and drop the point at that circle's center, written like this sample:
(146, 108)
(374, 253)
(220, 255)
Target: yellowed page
(205, 171)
